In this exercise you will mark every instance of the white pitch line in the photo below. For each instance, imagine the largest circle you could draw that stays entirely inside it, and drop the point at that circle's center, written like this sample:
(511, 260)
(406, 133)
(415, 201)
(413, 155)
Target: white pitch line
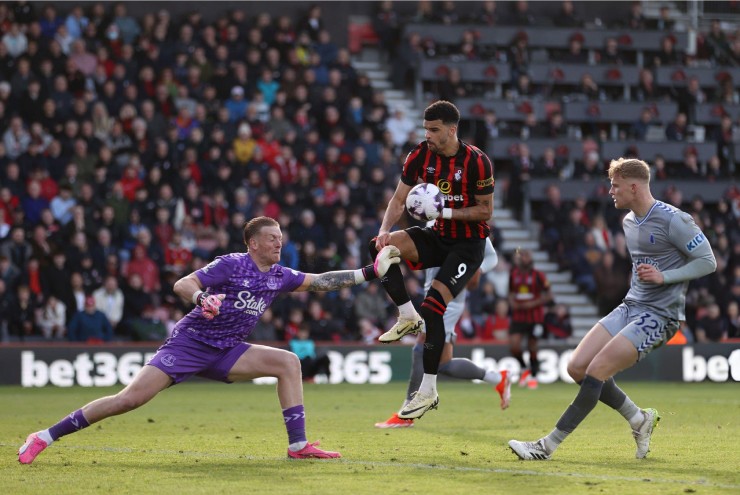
(431, 467)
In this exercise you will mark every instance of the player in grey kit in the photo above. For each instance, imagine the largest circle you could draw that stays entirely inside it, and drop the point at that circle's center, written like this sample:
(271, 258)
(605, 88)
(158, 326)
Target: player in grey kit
(668, 250)
(230, 294)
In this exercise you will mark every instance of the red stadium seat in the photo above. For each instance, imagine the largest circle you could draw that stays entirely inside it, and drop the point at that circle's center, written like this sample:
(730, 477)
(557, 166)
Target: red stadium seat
(360, 33)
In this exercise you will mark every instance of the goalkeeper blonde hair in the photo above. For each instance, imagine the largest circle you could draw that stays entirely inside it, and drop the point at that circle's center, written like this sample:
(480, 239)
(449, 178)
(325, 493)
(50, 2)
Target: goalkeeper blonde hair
(630, 168)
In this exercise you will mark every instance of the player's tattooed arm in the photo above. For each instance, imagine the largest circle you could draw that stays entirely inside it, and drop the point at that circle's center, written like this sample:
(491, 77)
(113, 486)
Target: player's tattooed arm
(328, 281)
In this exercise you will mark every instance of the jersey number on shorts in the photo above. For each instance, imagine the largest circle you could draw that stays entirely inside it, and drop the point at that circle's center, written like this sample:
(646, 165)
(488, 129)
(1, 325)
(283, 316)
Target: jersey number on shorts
(461, 269)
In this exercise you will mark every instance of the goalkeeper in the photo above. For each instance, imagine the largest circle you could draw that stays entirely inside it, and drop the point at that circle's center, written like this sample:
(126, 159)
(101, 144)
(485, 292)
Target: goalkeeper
(463, 369)
(231, 294)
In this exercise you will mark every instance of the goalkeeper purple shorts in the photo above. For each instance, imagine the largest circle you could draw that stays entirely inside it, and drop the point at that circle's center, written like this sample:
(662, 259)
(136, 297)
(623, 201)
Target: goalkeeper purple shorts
(181, 357)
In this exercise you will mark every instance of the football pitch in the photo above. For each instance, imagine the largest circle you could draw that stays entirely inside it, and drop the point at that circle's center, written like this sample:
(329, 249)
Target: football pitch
(212, 438)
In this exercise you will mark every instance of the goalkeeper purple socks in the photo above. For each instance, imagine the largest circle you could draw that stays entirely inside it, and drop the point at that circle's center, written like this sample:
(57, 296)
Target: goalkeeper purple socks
(70, 424)
(295, 423)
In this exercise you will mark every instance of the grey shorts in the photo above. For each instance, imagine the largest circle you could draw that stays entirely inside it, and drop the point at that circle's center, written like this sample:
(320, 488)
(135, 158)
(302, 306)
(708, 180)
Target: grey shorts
(642, 326)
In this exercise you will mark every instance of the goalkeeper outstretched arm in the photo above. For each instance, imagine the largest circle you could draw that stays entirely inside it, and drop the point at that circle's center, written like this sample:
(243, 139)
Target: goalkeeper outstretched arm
(389, 255)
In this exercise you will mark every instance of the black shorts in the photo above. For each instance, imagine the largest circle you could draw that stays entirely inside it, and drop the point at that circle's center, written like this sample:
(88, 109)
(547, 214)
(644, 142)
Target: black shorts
(522, 328)
(458, 259)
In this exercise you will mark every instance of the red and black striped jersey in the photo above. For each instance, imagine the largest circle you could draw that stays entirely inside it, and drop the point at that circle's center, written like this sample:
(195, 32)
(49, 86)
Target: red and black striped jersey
(460, 177)
(526, 286)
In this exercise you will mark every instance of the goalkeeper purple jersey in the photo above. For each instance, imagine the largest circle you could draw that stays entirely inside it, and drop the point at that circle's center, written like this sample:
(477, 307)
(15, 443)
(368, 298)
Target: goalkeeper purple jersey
(249, 292)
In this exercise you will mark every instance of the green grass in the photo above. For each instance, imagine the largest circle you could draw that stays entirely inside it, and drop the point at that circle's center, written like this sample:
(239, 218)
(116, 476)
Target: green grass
(212, 438)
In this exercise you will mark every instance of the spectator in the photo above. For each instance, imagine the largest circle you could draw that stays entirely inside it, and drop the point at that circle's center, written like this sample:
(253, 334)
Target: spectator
(519, 55)
(549, 165)
(647, 90)
(486, 14)
(16, 249)
(611, 54)
(712, 327)
(664, 21)
(612, 283)
(676, 130)
(640, 128)
(399, 125)
(716, 43)
(22, 316)
(15, 41)
(128, 27)
(371, 305)
(733, 320)
(557, 322)
(667, 55)
(143, 266)
(521, 15)
(575, 54)
(497, 325)
(109, 300)
(90, 325)
(52, 318)
(636, 20)
(690, 97)
(16, 138)
(369, 331)
(589, 89)
(566, 16)
(6, 299)
(76, 22)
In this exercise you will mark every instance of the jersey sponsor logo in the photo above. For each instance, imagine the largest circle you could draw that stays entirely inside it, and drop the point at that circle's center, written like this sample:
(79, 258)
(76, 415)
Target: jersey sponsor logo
(695, 242)
(485, 182)
(646, 261)
(444, 186)
(453, 197)
(250, 304)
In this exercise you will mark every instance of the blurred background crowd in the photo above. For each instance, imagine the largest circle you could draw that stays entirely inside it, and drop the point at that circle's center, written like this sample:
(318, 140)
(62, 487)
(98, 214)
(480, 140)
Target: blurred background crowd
(135, 147)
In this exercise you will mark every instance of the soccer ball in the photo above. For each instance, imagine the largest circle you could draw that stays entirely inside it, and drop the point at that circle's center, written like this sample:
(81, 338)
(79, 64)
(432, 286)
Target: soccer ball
(425, 202)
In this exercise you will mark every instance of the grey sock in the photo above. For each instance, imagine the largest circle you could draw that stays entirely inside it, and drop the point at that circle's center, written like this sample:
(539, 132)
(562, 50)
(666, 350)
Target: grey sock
(463, 369)
(585, 401)
(417, 371)
(554, 439)
(614, 397)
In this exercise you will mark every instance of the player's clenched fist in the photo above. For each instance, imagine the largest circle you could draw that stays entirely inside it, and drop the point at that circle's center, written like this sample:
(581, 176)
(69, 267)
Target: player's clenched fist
(210, 303)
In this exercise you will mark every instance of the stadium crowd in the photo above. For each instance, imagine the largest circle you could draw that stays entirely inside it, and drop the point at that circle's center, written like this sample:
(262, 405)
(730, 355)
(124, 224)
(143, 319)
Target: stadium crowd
(135, 149)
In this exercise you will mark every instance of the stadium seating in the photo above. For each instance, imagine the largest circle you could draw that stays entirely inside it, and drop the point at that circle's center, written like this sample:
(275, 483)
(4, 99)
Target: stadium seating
(709, 77)
(545, 37)
(672, 151)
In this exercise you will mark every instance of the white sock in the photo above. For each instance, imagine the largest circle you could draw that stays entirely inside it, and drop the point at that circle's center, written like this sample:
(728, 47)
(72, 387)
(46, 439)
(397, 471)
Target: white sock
(45, 436)
(407, 310)
(493, 377)
(295, 447)
(428, 384)
(637, 419)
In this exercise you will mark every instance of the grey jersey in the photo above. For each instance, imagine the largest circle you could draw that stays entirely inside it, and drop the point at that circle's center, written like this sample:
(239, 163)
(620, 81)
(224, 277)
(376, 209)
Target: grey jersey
(666, 238)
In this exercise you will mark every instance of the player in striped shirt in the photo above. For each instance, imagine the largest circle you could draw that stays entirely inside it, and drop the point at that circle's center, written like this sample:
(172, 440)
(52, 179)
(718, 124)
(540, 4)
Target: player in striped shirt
(456, 242)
